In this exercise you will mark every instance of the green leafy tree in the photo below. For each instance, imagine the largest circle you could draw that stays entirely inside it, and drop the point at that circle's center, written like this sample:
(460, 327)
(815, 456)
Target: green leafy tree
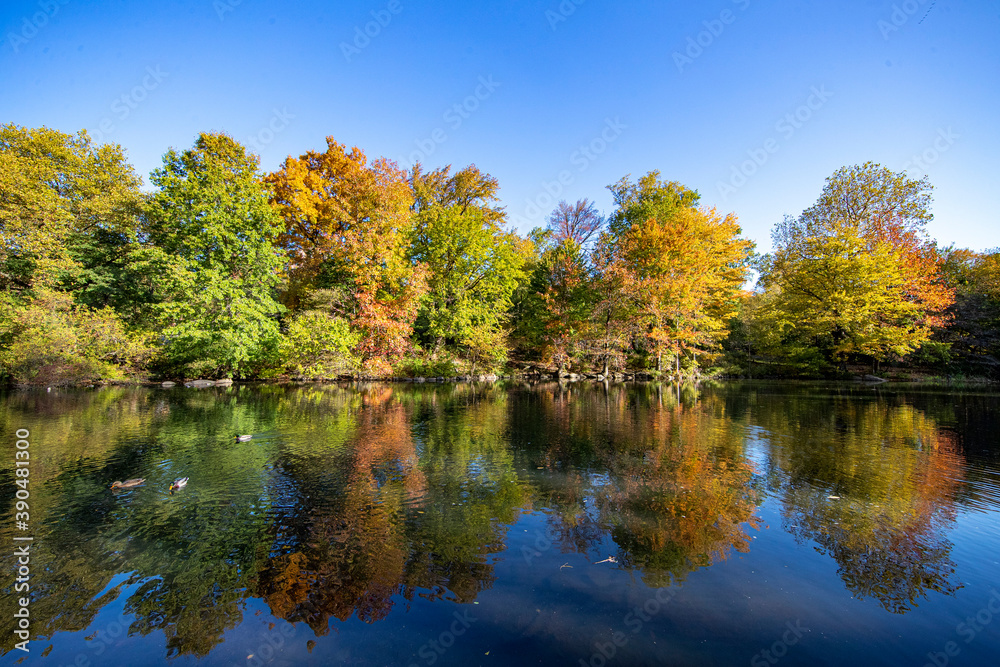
(319, 345)
(475, 264)
(856, 272)
(52, 340)
(67, 208)
(647, 198)
(212, 258)
(68, 213)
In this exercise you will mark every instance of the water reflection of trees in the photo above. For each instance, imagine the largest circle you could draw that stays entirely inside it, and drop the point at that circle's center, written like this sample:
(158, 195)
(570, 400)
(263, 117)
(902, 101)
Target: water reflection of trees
(664, 472)
(871, 483)
(402, 522)
(353, 500)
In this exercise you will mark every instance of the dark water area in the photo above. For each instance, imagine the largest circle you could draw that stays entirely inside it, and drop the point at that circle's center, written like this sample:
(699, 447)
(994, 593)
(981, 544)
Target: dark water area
(760, 524)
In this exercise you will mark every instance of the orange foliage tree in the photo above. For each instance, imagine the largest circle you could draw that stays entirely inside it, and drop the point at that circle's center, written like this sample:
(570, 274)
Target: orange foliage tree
(347, 224)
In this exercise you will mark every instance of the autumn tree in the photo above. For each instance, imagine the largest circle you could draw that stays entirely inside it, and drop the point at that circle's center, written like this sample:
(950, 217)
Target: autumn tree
(848, 298)
(648, 197)
(882, 207)
(972, 338)
(347, 223)
(579, 222)
(554, 308)
(617, 288)
(68, 215)
(61, 198)
(687, 268)
(668, 268)
(474, 263)
(212, 258)
(616, 296)
(856, 272)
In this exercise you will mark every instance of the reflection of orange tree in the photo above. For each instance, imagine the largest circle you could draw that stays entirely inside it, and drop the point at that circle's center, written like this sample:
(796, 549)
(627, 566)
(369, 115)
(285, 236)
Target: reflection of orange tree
(894, 476)
(683, 497)
(678, 495)
(389, 530)
(355, 563)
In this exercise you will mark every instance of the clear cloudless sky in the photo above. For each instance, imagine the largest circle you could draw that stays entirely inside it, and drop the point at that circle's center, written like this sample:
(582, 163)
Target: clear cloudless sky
(557, 100)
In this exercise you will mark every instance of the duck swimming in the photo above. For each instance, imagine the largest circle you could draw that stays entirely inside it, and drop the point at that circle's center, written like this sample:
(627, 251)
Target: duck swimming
(179, 484)
(127, 484)
(243, 438)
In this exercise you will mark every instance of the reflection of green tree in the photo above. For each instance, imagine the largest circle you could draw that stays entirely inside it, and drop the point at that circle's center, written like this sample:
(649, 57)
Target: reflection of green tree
(191, 554)
(335, 488)
(873, 483)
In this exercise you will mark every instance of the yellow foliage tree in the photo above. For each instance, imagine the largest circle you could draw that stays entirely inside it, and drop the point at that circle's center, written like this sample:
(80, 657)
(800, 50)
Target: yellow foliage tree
(687, 269)
(849, 294)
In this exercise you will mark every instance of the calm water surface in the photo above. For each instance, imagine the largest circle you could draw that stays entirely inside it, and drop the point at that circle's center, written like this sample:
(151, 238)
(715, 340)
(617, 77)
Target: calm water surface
(740, 524)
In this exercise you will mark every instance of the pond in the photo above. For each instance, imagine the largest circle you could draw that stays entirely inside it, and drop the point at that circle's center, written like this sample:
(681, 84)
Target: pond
(581, 524)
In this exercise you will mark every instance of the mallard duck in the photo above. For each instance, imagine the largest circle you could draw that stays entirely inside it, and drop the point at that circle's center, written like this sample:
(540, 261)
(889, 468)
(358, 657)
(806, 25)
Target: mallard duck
(128, 483)
(243, 438)
(179, 484)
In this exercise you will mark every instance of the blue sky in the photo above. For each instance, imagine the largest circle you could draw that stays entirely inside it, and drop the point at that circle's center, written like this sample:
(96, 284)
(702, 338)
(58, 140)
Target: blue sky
(751, 103)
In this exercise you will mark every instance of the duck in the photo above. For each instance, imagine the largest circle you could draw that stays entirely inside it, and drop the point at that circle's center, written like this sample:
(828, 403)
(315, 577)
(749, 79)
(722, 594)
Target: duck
(128, 483)
(243, 438)
(179, 484)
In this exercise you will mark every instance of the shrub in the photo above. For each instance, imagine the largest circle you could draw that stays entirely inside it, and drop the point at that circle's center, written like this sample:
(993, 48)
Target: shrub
(426, 367)
(319, 345)
(52, 340)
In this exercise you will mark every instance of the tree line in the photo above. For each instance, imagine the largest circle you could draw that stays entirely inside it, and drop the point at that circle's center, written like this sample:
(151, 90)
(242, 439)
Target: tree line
(336, 264)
